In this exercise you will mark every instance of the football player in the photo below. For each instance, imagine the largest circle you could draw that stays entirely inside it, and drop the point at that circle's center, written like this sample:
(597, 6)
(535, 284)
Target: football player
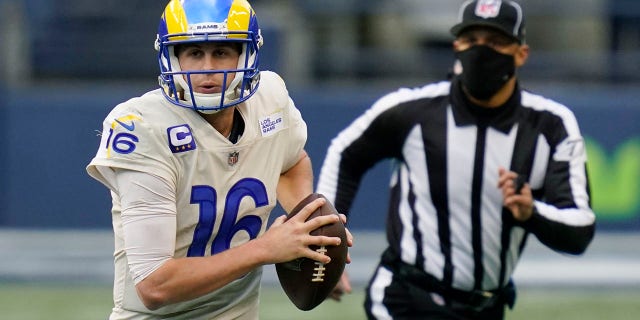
(195, 167)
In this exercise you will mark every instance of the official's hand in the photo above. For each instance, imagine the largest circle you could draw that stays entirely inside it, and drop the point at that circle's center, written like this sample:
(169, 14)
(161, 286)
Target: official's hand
(520, 204)
(349, 236)
(343, 286)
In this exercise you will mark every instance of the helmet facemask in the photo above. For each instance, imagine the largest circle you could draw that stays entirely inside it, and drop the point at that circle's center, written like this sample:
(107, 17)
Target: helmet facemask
(177, 83)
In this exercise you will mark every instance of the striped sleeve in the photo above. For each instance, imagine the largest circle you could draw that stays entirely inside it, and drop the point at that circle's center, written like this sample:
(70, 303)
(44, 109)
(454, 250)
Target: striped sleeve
(563, 218)
(376, 135)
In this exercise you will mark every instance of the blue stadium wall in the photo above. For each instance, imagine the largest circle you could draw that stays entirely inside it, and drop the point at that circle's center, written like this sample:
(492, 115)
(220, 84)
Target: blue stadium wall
(50, 134)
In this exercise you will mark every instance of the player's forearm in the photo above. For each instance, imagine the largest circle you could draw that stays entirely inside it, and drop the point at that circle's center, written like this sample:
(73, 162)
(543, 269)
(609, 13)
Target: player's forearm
(296, 183)
(184, 279)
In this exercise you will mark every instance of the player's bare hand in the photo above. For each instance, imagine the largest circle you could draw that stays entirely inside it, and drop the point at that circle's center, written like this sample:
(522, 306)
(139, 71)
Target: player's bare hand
(519, 203)
(343, 286)
(287, 240)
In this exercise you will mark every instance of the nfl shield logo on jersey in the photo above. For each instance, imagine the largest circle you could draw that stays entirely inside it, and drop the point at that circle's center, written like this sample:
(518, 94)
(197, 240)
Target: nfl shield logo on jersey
(233, 158)
(488, 8)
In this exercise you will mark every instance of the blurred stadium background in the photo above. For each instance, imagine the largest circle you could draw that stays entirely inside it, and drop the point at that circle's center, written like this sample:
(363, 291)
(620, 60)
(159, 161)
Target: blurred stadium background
(66, 63)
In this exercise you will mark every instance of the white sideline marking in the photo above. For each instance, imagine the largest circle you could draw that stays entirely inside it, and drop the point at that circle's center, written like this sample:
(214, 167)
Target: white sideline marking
(86, 256)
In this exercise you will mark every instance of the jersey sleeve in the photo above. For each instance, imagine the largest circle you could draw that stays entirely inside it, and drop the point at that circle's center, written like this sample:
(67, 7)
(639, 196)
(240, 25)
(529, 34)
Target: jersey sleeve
(274, 100)
(129, 142)
(297, 136)
(563, 219)
(148, 204)
(375, 135)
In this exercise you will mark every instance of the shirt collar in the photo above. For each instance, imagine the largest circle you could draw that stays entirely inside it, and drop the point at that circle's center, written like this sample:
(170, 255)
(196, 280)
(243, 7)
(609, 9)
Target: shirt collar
(467, 113)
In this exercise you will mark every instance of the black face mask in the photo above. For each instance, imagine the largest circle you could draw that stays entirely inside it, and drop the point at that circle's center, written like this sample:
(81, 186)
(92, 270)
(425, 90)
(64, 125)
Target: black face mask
(485, 71)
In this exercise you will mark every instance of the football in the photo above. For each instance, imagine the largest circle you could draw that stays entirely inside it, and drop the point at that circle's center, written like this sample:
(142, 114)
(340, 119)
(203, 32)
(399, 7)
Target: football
(307, 282)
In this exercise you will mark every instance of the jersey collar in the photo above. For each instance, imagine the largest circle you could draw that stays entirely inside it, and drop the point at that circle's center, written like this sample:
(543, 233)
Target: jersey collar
(467, 113)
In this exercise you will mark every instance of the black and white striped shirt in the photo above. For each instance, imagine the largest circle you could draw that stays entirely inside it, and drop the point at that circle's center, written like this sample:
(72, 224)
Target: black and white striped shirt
(445, 214)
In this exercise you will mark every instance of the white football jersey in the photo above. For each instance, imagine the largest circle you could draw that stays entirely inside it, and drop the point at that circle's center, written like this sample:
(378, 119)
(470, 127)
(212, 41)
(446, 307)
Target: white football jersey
(225, 191)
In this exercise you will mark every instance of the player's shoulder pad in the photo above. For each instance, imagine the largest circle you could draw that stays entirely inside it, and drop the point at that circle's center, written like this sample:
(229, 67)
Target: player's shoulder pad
(272, 77)
(273, 86)
(137, 113)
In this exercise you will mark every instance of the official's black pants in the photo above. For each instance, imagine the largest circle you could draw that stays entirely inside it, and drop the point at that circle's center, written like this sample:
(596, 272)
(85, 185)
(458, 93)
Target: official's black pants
(393, 294)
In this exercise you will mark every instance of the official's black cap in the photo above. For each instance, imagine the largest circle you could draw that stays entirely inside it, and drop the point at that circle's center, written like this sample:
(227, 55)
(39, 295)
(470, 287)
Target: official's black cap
(505, 15)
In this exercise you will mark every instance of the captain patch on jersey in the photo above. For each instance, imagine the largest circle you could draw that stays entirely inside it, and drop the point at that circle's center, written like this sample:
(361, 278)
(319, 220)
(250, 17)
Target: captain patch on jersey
(181, 138)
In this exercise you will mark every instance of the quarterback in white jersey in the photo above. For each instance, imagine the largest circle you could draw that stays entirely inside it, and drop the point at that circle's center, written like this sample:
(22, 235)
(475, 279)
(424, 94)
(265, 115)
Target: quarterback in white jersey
(195, 168)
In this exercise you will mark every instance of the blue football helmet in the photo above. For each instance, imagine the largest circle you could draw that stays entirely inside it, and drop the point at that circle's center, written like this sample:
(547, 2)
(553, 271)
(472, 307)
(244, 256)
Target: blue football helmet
(185, 21)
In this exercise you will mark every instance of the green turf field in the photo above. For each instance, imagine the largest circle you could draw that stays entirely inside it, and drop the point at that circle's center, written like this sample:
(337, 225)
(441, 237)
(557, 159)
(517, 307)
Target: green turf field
(84, 302)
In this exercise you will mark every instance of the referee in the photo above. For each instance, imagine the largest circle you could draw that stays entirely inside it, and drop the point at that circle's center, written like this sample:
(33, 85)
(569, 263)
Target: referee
(479, 165)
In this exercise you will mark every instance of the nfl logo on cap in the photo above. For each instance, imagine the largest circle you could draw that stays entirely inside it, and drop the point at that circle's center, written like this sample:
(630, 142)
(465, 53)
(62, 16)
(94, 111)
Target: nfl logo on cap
(488, 8)
(504, 15)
